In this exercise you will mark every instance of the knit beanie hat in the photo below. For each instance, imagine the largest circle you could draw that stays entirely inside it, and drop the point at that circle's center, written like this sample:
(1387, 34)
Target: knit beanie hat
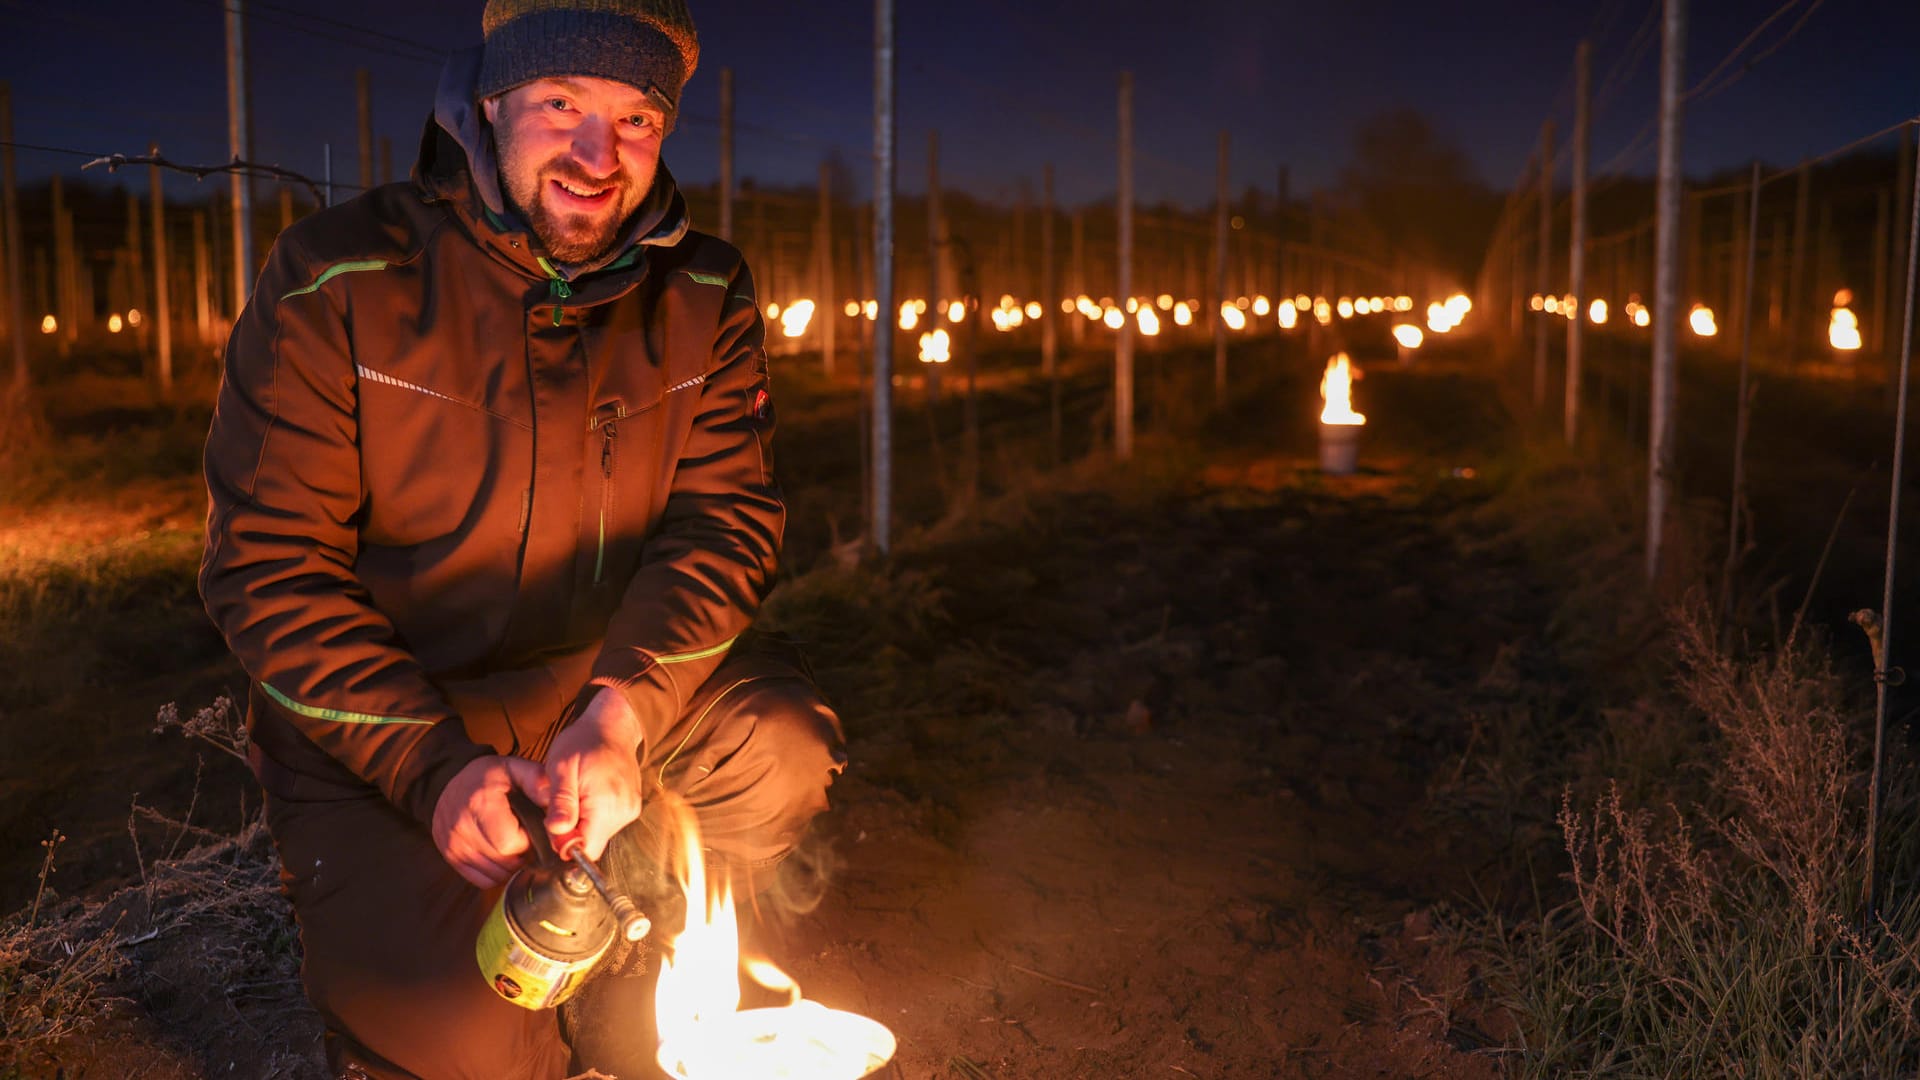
(649, 44)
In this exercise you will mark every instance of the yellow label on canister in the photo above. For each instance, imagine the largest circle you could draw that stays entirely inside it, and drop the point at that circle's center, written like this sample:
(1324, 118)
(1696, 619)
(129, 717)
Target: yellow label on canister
(518, 973)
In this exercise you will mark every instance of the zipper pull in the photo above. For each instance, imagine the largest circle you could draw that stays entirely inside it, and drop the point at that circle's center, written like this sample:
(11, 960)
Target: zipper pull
(557, 288)
(606, 451)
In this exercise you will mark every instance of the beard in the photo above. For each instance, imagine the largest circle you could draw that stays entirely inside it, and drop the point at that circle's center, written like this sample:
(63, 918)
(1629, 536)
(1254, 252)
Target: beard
(569, 235)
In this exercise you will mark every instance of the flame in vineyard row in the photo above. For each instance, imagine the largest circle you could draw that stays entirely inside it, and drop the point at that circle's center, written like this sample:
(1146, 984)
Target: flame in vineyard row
(705, 1035)
(1336, 390)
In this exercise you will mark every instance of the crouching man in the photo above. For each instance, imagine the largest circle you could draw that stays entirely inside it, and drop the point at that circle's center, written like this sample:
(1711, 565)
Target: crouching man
(492, 507)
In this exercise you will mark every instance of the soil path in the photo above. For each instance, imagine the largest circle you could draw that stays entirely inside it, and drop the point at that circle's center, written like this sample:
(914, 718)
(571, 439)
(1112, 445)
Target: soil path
(1189, 836)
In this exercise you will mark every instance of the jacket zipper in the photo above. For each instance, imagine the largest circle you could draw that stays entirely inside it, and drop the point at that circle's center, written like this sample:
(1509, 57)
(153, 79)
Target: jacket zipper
(606, 500)
(557, 288)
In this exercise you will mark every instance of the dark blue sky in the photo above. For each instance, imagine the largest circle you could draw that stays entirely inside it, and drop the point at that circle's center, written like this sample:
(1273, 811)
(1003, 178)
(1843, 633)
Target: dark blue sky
(1011, 84)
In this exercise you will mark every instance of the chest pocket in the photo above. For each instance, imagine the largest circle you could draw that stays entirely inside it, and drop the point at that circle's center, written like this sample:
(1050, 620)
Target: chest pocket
(647, 361)
(440, 441)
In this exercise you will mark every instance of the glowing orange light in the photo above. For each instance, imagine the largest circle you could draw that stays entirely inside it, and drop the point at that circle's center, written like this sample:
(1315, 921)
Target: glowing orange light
(793, 321)
(1336, 389)
(704, 1034)
(1843, 326)
(935, 347)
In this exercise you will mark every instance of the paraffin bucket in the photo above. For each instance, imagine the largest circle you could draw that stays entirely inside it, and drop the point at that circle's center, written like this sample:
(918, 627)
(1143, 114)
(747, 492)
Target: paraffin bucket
(1339, 449)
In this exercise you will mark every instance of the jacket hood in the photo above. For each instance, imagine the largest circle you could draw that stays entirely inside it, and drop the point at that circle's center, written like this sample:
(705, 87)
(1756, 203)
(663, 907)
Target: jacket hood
(473, 172)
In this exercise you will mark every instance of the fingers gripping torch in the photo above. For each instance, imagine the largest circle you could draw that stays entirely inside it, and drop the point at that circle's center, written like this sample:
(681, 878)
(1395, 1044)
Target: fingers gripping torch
(554, 921)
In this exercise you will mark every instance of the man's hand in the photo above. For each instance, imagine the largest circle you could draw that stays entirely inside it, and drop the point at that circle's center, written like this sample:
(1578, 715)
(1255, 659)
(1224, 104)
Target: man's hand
(473, 826)
(593, 774)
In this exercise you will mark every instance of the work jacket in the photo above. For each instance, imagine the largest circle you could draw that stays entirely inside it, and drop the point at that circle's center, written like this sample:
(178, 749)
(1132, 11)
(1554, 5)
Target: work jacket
(456, 489)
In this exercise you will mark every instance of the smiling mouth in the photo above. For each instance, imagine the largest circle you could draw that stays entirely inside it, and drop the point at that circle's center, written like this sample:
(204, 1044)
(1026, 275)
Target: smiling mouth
(584, 193)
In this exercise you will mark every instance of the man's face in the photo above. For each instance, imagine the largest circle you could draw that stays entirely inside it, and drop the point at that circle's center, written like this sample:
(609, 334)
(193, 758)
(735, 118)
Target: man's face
(577, 155)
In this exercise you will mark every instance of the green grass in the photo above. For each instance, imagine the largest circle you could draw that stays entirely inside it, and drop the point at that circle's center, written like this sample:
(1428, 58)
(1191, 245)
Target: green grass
(91, 616)
(1695, 907)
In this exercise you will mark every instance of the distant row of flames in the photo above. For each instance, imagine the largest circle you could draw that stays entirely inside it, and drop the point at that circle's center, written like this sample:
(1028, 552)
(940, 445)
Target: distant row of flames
(1238, 315)
(1843, 326)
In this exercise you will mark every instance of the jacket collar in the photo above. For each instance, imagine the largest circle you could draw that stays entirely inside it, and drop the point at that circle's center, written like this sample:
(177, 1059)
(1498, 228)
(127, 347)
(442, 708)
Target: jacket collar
(457, 165)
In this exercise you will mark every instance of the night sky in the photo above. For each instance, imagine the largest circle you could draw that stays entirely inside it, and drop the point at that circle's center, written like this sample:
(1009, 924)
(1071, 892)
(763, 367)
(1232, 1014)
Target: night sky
(1010, 84)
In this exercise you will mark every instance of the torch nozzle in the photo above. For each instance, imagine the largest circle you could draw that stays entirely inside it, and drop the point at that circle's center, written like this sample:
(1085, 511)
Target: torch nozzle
(633, 924)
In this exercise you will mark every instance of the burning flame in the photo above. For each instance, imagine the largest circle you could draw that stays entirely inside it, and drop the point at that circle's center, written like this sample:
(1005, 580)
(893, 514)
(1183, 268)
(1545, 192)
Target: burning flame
(852, 309)
(1289, 316)
(1701, 319)
(1233, 317)
(1843, 329)
(956, 311)
(49, 324)
(1261, 305)
(1149, 320)
(794, 320)
(1597, 312)
(703, 1033)
(1336, 389)
(1345, 307)
(1034, 310)
(1114, 319)
(114, 325)
(1010, 314)
(935, 347)
(909, 316)
(1408, 335)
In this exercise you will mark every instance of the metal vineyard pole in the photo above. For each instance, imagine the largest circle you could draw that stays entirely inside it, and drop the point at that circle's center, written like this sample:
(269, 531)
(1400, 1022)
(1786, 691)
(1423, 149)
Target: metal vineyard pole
(1666, 284)
(883, 133)
(1743, 412)
(238, 139)
(1577, 245)
(1123, 345)
(1875, 882)
(1544, 257)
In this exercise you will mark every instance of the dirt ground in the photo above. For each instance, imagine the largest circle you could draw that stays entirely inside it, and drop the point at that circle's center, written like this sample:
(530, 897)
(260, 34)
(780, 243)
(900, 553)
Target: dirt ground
(1202, 849)
(1147, 793)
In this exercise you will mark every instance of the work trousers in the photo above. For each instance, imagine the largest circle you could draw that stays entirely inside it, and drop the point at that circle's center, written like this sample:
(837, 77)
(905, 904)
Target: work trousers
(389, 929)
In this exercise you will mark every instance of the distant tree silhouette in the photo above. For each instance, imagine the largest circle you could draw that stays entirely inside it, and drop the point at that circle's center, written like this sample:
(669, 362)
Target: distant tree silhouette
(1419, 188)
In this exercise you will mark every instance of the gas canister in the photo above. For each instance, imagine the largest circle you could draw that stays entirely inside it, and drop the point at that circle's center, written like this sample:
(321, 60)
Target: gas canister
(546, 933)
